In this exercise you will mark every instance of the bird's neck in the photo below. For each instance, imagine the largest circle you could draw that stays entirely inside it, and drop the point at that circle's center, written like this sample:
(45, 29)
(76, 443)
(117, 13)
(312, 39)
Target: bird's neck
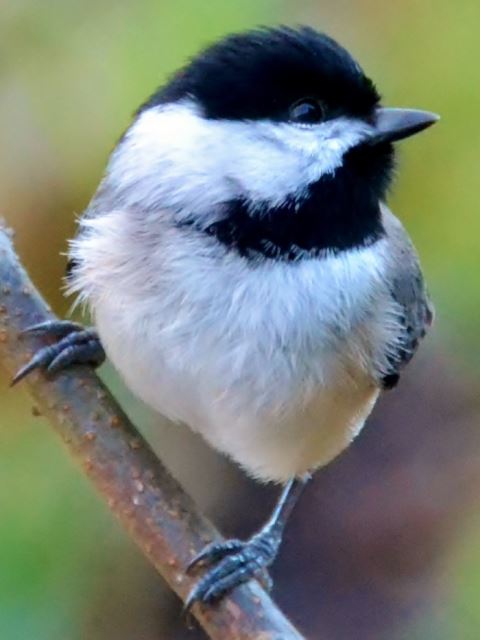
(337, 213)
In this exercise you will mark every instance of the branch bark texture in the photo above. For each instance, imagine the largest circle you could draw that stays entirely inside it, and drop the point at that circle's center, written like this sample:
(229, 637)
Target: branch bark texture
(149, 503)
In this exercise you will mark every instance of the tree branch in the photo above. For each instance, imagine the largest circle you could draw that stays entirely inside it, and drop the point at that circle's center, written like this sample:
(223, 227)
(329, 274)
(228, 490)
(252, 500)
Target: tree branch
(150, 504)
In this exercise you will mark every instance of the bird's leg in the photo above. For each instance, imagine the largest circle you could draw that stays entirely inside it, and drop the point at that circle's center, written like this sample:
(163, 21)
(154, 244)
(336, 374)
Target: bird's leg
(75, 345)
(236, 561)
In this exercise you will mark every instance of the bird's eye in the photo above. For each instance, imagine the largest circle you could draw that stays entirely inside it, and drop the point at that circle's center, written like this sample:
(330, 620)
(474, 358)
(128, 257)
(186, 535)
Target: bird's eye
(307, 110)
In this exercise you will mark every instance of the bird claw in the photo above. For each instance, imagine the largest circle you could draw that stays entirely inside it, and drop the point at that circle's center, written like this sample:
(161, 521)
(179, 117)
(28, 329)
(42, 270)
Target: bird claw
(213, 552)
(76, 345)
(234, 562)
(53, 328)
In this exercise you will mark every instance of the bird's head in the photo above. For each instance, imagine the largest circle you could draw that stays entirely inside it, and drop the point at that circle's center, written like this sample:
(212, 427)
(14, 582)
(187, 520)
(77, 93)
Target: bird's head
(272, 141)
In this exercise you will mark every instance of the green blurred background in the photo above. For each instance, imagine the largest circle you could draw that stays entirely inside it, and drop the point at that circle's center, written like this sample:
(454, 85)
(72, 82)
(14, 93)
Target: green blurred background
(71, 74)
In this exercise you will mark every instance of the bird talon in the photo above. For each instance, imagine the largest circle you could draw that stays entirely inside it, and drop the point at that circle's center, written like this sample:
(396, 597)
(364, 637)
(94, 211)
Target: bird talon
(213, 552)
(236, 562)
(75, 345)
(53, 328)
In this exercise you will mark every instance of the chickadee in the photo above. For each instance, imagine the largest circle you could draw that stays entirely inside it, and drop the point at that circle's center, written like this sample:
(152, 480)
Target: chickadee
(244, 274)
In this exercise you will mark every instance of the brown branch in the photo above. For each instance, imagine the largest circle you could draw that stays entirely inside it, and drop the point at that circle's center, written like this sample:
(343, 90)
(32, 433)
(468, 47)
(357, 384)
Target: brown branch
(150, 504)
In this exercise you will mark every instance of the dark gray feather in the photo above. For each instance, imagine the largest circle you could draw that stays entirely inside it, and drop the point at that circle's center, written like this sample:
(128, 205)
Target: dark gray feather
(408, 290)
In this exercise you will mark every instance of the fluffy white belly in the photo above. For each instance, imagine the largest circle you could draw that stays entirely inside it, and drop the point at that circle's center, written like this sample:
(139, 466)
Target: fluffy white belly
(309, 435)
(274, 364)
(273, 435)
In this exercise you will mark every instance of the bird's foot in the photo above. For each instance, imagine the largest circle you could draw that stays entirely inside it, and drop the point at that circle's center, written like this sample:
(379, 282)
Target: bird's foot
(235, 562)
(75, 345)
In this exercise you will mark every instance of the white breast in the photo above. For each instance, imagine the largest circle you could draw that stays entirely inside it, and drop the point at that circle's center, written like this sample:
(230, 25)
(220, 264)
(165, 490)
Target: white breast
(274, 363)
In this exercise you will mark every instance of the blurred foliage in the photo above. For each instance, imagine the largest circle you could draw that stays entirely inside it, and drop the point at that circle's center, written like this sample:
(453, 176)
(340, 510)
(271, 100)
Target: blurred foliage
(71, 74)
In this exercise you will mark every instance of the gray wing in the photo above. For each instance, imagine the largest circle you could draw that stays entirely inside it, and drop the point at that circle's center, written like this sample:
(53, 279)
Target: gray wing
(408, 290)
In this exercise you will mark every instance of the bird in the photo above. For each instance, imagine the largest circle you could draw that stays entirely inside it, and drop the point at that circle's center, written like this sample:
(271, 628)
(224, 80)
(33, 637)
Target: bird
(244, 274)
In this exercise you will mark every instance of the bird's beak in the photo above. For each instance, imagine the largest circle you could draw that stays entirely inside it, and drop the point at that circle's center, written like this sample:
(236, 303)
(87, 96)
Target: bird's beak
(391, 125)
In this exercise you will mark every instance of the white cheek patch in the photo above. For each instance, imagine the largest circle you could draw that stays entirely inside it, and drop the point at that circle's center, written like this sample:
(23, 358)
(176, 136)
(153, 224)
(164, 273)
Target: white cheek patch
(173, 158)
